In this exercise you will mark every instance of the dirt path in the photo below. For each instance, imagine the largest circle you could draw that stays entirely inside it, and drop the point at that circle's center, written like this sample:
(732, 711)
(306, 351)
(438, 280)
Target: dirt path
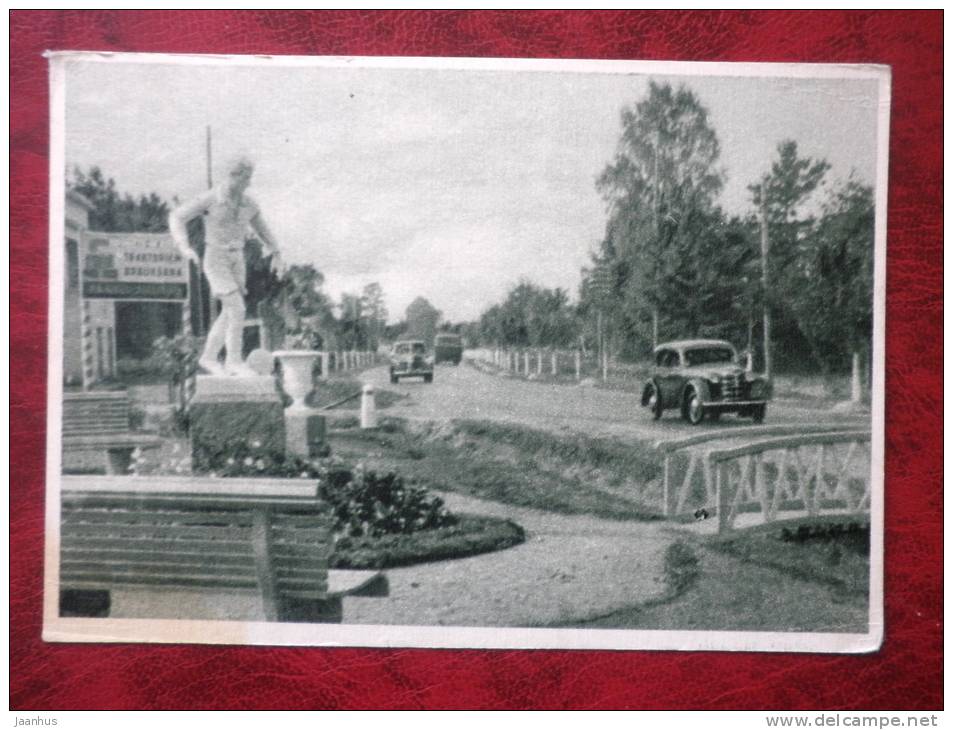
(570, 568)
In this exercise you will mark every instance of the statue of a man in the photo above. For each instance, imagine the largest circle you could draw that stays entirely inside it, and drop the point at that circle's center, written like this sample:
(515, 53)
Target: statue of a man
(229, 215)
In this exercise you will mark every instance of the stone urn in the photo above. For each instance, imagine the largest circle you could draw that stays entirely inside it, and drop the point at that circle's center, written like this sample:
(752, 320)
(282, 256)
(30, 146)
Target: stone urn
(296, 369)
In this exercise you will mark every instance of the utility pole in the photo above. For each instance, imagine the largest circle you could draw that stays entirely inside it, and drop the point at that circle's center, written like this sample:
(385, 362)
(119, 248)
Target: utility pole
(599, 338)
(200, 289)
(658, 242)
(765, 278)
(208, 155)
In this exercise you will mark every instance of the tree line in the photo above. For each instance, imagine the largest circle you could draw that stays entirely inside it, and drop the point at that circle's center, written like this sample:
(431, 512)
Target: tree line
(673, 264)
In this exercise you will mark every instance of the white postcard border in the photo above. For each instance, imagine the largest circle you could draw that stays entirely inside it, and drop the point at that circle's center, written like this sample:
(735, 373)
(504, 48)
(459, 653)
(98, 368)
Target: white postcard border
(58, 629)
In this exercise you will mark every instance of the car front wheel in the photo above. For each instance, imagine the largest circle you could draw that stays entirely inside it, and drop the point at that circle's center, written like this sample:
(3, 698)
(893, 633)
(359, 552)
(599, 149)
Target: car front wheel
(694, 411)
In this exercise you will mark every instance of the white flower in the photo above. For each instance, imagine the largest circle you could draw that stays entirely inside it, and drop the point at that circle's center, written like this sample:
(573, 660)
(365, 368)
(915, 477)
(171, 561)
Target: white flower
(304, 475)
(256, 444)
(260, 464)
(249, 461)
(230, 461)
(176, 448)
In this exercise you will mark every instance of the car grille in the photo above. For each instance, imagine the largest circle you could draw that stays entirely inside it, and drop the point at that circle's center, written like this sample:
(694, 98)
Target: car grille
(733, 387)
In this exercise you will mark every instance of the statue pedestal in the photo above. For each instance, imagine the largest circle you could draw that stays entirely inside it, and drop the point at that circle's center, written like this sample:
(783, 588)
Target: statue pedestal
(305, 432)
(230, 409)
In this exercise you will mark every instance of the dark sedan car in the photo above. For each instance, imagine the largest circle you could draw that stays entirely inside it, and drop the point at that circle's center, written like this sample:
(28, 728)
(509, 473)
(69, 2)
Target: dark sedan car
(704, 378)
(409, 358)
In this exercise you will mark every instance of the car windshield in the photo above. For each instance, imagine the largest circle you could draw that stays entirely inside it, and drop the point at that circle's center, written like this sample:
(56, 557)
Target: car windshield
(406, 348)
(448, 339)
(709, 356)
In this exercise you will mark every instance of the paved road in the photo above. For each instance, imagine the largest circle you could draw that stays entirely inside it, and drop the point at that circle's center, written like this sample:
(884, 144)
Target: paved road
(465, 392)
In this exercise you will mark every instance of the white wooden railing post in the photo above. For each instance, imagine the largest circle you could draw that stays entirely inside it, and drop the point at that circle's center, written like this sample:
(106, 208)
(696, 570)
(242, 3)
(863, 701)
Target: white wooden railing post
(720, 474)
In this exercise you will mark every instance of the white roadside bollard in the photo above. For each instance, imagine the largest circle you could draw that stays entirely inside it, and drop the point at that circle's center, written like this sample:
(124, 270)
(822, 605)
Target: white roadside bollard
(368, 407)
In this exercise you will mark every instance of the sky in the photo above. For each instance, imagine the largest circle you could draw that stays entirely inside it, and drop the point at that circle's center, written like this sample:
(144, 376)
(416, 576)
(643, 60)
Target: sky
(450, 184)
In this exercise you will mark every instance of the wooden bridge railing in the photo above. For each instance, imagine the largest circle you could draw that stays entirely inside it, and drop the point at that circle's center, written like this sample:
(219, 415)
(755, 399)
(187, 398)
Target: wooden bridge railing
(677, 496)
(798, 484)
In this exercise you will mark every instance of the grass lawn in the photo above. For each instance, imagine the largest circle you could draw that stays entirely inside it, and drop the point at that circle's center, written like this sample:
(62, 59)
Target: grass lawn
(336, 389)
(837, 556)
(511, 465)
(736, 595)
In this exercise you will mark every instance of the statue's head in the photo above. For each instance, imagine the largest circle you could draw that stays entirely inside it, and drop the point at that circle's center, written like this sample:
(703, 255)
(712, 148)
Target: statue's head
(239, 171)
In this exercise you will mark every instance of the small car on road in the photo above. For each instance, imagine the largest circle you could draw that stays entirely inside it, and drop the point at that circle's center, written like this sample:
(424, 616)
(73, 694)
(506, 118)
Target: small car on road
(704, 378)
(409, 358)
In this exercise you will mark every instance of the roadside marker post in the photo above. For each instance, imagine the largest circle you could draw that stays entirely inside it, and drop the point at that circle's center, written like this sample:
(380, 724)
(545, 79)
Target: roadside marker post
(368, 410)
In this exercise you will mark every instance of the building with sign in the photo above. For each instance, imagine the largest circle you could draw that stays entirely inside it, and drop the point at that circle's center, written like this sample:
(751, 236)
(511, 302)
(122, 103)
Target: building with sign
(123, 291)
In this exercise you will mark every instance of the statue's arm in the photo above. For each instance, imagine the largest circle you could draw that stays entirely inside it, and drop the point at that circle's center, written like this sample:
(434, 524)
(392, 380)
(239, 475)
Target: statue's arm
(267, 238)
(264, 233)
(179, 220)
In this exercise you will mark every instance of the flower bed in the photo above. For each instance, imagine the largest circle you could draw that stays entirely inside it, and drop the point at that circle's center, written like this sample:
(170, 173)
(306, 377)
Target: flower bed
(469, 535)
(379, 520)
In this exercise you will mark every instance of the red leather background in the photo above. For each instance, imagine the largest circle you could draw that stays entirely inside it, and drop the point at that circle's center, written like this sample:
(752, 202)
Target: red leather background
(907, 673)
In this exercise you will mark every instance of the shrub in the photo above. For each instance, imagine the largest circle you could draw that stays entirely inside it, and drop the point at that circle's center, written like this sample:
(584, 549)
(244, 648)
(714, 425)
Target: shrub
(680, 567)
(137, 418)
(852, 536)
(177, 359)
(369, 504)
(241, 458)
(363, 503)
(132, 369)
(471, 535)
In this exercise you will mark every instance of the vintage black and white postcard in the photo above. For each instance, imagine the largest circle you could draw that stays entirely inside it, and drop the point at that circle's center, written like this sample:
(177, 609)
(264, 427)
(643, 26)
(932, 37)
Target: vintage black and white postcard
(466, 353)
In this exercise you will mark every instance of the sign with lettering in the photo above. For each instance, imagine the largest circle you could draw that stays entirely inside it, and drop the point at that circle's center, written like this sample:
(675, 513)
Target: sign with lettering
(133, 266)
